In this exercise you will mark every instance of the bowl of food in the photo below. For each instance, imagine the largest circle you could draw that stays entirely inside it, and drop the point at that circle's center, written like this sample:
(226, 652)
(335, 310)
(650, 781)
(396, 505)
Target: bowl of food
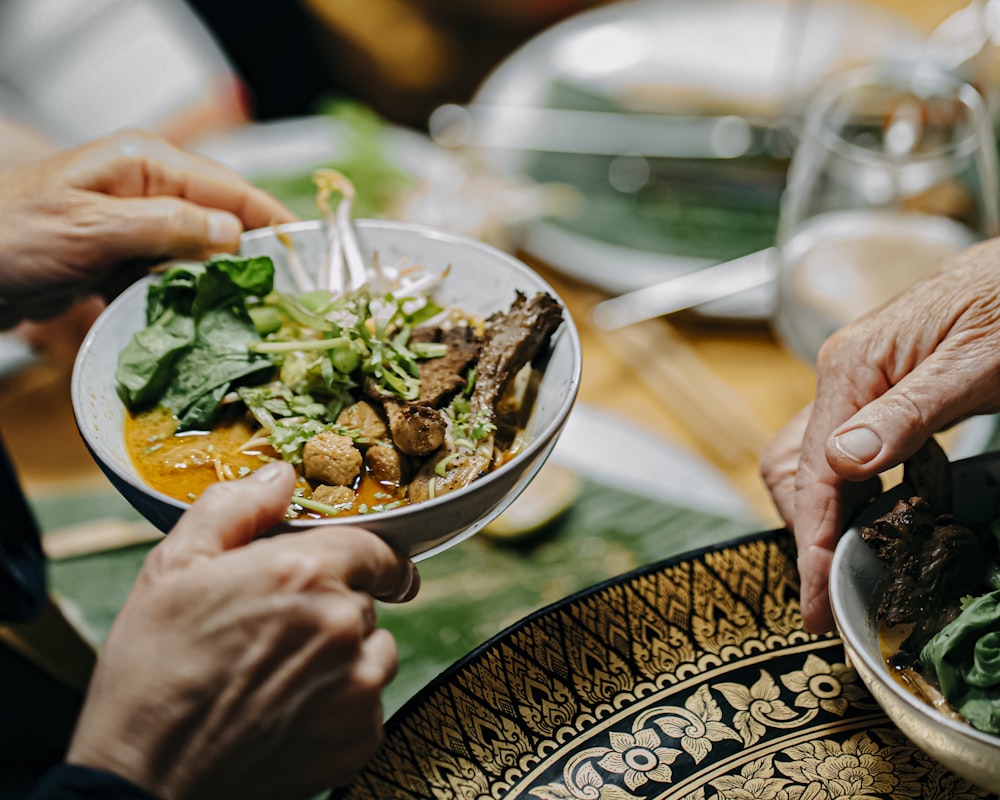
(417, 380)
(913, 587)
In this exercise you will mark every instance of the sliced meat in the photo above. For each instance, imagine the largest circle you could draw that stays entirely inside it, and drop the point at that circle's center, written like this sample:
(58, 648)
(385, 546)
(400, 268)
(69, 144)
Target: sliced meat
(461, 469)
(364, 418)
(928, 564)
(331, 458)
(513, 339)
(334, 495)
(443, 377)
(928, 471)
(417, 429)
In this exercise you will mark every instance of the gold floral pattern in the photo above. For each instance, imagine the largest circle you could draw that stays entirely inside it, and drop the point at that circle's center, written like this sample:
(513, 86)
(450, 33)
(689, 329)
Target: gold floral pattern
(831, 687)
(687, 680)
(698, 725)
(639, 758)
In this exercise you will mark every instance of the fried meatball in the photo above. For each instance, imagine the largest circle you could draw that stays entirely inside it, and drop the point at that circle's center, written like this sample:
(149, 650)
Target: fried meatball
(331, 458)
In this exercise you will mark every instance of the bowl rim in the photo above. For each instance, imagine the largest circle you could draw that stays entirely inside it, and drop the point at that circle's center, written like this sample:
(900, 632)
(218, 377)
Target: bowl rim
(848, 629)
(566, 330)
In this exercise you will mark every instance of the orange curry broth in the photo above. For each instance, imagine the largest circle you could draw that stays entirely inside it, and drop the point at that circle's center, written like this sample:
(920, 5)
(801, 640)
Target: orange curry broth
(184, 466)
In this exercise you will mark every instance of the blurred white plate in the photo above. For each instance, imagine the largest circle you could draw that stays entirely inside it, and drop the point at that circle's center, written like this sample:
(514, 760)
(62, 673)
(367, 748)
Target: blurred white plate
(297, 144)
(445, 190)
(722, 56)
(609, 449)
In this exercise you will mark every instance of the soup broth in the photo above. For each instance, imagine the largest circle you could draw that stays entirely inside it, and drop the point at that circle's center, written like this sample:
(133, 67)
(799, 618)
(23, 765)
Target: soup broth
(890, 643)
(183, 466)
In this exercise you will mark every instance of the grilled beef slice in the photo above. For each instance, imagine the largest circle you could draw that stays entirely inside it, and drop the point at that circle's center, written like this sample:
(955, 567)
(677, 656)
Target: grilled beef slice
(417, 427)
(512, 339)
(442, 378)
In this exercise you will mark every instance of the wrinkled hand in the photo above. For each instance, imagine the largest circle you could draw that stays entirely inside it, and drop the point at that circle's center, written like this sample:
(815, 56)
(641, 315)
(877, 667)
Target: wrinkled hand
(885, 384)
(246, 668)
(68, 222)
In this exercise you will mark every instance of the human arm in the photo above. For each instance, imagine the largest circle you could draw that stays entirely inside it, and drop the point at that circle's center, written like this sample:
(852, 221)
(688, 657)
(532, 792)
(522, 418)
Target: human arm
(93, 218)
(885, 384)
(246, 667)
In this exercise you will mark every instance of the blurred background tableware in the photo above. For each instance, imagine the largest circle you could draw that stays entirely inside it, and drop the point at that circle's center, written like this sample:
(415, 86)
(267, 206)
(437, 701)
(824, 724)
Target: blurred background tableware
(398, 171)
(894, 171)
(673, 120)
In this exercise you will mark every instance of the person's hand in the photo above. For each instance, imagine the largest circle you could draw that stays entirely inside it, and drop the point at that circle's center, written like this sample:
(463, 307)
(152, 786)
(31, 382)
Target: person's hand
(243, 667)
(70, 224)
(885, 384)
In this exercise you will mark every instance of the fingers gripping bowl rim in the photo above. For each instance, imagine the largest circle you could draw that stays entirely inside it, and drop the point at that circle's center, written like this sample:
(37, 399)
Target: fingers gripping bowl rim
(482, 279)
(854, 573)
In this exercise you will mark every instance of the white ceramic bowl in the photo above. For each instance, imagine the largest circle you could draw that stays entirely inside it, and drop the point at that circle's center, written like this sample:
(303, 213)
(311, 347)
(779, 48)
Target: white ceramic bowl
(966, 751)
(482, 280)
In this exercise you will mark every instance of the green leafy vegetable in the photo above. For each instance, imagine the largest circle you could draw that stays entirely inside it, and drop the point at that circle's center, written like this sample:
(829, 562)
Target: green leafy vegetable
(965, 657)
(195, 345)
(146, 365)
(357, 339)
(468, 431)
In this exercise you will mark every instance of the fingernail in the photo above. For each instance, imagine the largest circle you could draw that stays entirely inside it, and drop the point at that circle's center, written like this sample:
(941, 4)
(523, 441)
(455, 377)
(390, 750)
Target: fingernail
(414, 584)
(270, 471)
(223, 229)
(859, 444)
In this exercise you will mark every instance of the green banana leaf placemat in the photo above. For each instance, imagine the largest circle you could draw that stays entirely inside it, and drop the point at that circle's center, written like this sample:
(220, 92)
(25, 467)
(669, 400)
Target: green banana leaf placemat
(469, 593)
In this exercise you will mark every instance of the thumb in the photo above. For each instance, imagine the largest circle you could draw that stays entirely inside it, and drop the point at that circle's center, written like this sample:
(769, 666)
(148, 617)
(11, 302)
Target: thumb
(891, 428)
(229, 515)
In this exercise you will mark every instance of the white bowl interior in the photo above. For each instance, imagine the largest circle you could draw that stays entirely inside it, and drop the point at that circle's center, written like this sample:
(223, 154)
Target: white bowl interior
(481, 279)
(854, 574)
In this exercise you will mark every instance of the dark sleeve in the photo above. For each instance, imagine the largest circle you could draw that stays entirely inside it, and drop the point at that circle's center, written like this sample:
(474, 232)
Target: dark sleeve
(70, 782)
(22, 563)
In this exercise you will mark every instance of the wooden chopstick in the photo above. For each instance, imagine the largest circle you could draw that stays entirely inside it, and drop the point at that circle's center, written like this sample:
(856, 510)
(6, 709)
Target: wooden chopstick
(97, 536)
(705, 404)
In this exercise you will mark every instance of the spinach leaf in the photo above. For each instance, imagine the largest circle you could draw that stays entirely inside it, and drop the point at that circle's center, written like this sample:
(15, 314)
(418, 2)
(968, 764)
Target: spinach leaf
(217, 358)
(175, 291)
(146, 364)
(230, 280)
(195, 344)
(201, 411)
(965, 657)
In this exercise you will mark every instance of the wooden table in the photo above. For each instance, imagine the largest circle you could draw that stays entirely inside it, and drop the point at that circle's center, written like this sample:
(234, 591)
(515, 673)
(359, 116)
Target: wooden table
(719, 389)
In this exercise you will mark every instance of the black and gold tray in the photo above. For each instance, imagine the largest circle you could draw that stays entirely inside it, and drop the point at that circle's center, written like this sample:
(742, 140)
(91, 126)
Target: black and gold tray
(690, 679)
